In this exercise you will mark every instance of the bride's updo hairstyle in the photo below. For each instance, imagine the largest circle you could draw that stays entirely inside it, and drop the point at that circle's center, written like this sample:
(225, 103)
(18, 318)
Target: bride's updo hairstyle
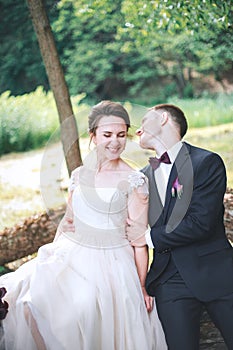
(104, 109)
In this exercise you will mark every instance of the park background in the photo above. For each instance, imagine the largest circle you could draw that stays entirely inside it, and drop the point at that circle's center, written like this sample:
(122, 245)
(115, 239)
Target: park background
(139, 53)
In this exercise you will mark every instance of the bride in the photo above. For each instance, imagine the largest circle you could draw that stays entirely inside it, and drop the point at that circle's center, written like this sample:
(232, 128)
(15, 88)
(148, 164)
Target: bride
(86, 289)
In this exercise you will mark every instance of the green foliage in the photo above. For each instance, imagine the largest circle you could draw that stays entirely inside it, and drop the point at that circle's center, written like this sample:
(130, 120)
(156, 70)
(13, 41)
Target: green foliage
(142, 51)
(182, 39)
(4, 270)
(94, 63)
(206, 111)
(201, 112)
(176, 16)
(22, 69)
(150, 45)
(27, 121)
(31, 120)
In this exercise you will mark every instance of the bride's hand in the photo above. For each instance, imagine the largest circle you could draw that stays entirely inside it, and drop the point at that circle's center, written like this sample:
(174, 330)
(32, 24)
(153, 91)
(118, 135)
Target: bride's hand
(149, 301)
(66, 225)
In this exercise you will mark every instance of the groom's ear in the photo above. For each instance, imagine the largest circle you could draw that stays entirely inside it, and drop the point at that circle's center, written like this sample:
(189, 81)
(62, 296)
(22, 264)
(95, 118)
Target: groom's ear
(164, 118)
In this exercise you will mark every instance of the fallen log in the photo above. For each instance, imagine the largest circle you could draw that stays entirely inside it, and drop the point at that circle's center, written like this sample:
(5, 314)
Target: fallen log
(228, 217)
(25, 238)
(210, 337)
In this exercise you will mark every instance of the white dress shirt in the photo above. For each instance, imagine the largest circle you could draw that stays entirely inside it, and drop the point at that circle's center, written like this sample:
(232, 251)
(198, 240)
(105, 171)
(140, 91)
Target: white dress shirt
(162, 174)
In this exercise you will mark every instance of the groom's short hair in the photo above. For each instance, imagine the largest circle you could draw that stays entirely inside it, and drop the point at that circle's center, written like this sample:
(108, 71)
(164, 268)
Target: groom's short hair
(176, 114)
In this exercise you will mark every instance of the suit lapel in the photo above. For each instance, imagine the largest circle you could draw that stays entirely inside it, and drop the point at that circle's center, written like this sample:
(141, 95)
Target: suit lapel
(182, 168)
(176, 171)
(175, 208)
(155, 204)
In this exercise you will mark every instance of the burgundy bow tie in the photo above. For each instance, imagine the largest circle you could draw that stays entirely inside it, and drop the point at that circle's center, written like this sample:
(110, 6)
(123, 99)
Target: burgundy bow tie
(155, 162)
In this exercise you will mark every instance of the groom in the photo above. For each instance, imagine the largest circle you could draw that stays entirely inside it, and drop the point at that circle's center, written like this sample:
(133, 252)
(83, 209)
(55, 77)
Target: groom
(192, 259)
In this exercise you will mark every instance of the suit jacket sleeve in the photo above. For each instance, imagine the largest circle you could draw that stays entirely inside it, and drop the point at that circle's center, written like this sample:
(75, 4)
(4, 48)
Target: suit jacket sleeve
(205, 211)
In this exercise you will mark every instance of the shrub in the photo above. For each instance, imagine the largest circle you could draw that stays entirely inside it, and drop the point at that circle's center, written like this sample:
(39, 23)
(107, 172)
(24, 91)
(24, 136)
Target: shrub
(26, 121)
(207, 111)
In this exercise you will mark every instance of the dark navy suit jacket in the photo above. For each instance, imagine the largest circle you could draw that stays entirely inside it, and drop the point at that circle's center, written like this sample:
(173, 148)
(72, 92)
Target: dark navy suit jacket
(188, 233)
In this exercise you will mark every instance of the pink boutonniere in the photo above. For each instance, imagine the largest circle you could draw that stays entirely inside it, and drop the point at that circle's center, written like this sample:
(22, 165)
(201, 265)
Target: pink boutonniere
(177, 188)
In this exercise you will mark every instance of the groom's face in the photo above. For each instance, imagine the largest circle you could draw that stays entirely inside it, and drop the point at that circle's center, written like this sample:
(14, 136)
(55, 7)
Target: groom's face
(149, 130)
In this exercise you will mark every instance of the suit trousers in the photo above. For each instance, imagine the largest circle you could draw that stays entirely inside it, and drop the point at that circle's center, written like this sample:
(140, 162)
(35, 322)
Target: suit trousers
(180, 312)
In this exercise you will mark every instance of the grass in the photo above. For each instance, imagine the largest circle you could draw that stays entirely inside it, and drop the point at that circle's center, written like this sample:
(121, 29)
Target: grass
(217, 139)
(17, 203)
(203, 112)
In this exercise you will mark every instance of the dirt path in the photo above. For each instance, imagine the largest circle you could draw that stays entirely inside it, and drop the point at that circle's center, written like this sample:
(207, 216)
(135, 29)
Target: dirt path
(25, 169)
(31, 182)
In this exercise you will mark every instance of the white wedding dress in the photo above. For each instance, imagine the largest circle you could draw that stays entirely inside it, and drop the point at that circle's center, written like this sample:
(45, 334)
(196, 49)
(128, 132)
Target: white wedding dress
(83, 289)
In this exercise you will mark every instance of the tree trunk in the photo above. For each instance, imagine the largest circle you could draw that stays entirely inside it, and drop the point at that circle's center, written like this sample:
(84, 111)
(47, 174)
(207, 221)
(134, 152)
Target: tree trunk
(69, 131)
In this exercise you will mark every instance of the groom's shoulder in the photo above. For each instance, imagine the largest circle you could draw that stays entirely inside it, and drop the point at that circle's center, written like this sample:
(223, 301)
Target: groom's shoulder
(145, 169)
(198, 154)
(195, 150)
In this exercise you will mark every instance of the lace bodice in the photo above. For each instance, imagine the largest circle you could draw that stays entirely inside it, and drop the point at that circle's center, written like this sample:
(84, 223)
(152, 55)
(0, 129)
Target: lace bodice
(100, 213)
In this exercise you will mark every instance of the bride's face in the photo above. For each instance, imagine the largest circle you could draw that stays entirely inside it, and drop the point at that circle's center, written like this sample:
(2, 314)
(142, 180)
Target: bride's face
(110, 137)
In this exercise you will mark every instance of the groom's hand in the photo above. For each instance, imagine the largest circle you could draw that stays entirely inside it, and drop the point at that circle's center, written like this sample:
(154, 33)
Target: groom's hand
(135, 232)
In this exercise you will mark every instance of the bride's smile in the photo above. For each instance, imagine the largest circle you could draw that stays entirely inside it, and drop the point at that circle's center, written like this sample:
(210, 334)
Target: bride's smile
(110, 138)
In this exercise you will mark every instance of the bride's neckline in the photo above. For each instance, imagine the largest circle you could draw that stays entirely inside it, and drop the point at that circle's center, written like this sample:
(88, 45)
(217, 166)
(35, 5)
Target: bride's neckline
(107, 180)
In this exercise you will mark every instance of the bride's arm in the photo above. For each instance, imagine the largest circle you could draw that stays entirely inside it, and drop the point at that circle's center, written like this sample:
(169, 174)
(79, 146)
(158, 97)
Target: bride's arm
(138, 203)
(141, 261)
(138, 216)
(66, 224)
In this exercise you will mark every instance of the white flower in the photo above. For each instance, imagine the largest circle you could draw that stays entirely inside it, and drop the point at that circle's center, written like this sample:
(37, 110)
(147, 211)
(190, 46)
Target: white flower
(136, 179)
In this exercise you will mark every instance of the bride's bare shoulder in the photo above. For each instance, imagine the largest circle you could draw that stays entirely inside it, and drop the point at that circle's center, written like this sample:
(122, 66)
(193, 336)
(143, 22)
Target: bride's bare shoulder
(125, 166)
